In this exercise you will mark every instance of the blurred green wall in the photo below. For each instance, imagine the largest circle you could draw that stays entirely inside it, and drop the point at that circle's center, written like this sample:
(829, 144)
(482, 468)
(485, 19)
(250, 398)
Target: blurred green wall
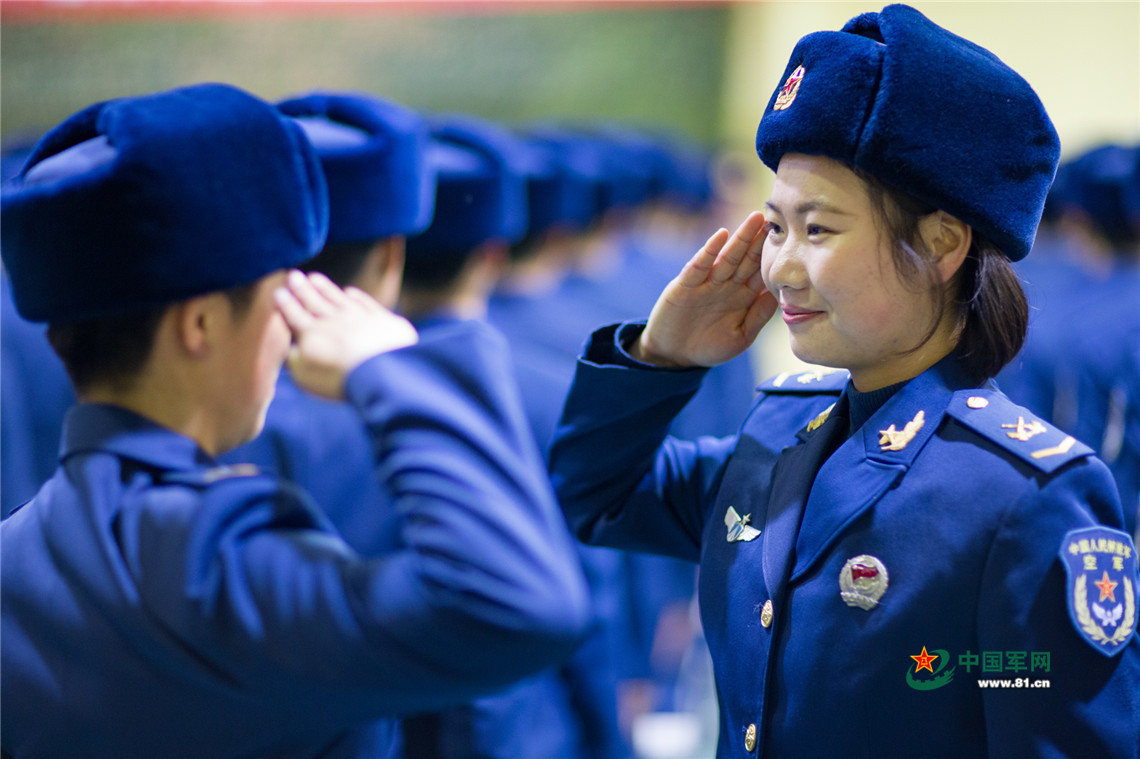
(645, 65)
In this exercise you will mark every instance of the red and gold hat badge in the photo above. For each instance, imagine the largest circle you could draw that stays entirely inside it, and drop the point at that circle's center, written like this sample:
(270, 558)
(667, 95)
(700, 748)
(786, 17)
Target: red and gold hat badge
(789, 90)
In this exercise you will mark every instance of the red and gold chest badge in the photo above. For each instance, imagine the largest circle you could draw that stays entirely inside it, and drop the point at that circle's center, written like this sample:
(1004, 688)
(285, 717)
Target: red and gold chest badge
(790, 89)
(1101, 567)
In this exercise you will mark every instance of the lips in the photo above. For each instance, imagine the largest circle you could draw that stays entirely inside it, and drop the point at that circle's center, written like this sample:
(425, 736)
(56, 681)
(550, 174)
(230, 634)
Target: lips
(793, 315)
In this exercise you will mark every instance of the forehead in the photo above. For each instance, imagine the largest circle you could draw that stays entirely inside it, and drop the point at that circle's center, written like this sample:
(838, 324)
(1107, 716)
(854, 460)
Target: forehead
(818, 182)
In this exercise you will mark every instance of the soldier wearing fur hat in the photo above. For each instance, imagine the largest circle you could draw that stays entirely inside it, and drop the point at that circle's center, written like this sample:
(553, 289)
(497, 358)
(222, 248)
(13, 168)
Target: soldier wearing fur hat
(156, 604)
(895, 559)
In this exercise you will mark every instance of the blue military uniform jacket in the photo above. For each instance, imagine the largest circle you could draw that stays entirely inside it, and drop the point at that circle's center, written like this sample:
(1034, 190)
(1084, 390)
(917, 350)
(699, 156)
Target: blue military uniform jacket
(156, 605)
(324, 447)
(944, 532)
(34, 397)
(569, 710)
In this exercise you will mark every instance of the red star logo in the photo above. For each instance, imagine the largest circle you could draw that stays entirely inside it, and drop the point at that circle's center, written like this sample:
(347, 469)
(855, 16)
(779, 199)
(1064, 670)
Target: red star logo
(1107, 588)
(924, 660)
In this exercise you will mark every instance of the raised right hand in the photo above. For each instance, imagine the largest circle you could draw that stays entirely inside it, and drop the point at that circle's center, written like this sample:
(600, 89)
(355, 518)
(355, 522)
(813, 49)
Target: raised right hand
(714, 309)
(335, 330)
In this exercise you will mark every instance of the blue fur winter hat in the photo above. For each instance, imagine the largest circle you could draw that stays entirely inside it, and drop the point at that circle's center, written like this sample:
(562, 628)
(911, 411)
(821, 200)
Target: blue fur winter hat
(924, 111)
(143, 201)
(481, 190)
(1098, 183)
(561, 190)
(373, 153)
(587, 184)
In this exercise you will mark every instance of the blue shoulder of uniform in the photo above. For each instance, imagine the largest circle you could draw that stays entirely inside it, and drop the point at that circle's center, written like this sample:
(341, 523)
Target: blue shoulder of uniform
(1015, 429)
(202, 478)
(830, 381)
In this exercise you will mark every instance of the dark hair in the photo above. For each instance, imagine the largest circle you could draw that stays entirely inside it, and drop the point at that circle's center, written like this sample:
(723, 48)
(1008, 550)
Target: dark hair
(992, 314)
(435, 269)
(341, 262)
(113, 349)
(526, 248)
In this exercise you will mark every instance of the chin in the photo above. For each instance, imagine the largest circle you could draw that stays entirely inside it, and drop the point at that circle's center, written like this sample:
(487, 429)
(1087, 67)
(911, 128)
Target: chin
(818, 357)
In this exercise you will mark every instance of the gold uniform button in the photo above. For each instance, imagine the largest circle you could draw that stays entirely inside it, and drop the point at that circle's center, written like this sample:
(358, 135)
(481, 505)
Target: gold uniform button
(766, 614)
(750, 737)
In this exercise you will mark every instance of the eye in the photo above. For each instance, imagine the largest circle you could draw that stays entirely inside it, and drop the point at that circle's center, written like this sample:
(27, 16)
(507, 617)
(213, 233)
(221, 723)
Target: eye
(814, 230)
(772, 229)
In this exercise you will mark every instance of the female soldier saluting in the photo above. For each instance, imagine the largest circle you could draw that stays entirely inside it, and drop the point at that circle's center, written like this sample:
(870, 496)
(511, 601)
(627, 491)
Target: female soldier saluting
(876, 546)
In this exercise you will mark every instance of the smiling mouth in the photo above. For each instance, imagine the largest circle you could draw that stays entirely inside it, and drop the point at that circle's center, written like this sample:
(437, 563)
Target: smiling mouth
(798, 316)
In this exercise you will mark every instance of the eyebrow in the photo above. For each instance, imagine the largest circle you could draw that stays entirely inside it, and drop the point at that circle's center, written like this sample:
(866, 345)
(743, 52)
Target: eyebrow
(808, 207)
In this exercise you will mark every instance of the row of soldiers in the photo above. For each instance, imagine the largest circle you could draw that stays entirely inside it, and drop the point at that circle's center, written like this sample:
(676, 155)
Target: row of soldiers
(544, 232)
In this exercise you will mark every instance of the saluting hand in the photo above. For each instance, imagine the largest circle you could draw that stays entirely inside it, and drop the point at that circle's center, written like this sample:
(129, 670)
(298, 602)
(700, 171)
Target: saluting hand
(335, 330)
(714, 309)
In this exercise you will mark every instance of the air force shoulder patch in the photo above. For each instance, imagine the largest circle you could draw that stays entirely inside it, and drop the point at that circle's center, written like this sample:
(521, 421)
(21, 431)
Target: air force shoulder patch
(1100, 564)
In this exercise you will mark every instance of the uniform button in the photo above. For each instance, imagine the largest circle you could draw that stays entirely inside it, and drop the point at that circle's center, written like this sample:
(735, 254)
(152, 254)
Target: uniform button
(766, 614)
(750, 737)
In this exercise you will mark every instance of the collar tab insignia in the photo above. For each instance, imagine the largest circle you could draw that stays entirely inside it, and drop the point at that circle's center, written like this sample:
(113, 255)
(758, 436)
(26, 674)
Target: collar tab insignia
(816, 423)
(891, 439)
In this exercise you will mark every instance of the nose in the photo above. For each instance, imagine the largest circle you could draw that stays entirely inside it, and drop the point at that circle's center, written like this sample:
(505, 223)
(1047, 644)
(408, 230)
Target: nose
(784, 270)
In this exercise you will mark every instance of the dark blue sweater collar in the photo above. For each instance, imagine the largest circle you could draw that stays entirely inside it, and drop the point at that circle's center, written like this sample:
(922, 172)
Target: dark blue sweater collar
(862, 406)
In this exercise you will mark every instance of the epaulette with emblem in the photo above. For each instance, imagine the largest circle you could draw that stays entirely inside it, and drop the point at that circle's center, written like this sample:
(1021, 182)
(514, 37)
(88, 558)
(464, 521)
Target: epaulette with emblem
(1000, 420)
(806, 383)
(207, 477)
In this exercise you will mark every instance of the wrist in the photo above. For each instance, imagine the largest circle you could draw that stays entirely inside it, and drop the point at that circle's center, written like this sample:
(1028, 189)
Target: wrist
(642, 350)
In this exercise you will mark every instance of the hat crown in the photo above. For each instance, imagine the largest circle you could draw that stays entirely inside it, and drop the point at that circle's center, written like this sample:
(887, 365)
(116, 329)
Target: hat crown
(924, 111)
(142, 201)
(373, 155)
(481, 189)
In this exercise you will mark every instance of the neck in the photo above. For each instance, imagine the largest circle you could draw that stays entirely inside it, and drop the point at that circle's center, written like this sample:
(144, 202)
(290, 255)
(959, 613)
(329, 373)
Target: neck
(164, 404)
(535, 276)
(418, 304)
(465, 297)
(869, 379)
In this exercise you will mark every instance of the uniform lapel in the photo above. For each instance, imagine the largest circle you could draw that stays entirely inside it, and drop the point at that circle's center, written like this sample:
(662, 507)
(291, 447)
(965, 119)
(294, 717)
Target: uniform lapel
(869, 463)
(791, 483)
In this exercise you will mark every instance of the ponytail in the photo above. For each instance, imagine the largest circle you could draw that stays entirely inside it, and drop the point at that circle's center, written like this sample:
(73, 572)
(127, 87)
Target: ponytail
(993, 312)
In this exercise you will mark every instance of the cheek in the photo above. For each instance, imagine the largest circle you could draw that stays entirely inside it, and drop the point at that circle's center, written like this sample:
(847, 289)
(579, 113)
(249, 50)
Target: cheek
(277, 340)
(273, 346)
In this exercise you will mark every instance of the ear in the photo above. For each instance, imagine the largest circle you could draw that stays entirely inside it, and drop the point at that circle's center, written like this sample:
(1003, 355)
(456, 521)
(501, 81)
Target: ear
(948, 238)
(195, 320)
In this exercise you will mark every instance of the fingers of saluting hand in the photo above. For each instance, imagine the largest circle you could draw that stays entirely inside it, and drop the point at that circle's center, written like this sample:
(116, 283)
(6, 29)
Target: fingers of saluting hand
(696, 271)
(317, 293)
(307, 298)
(741, 256)
(296, 315)
(749, 268)
(362, 299)
(724, 257)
